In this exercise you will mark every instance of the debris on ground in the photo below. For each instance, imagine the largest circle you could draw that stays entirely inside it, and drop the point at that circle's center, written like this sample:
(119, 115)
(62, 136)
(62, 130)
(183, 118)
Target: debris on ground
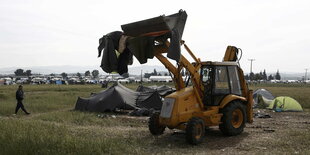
(261, 114)
(269, 130)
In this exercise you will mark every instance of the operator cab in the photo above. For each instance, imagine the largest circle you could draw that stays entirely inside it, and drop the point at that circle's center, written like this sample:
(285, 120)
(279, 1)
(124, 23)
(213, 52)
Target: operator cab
(219, 79)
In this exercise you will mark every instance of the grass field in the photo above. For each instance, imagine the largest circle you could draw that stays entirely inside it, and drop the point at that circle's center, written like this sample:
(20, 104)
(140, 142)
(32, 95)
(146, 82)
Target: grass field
(54, 128)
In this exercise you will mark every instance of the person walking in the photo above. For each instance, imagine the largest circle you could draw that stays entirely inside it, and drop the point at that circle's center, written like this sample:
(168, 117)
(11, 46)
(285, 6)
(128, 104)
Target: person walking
(19, 98)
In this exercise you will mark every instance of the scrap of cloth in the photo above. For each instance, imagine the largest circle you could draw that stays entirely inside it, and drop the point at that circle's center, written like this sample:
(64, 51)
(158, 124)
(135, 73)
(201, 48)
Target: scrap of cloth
(174, 51)
(112, 60)
(142, 48)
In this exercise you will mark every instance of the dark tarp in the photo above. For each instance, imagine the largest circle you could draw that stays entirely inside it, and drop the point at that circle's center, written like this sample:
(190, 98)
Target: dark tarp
(149, 100)
(118, 96)
(162, 90)
(129, 96)
(107, 100)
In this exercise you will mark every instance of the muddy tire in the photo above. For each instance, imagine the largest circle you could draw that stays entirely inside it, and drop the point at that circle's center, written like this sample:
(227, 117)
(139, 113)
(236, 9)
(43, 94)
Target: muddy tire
(195, 130)
(154, 126)
(233, 119)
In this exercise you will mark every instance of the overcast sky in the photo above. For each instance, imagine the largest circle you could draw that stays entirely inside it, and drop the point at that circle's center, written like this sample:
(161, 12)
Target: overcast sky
(276, 33)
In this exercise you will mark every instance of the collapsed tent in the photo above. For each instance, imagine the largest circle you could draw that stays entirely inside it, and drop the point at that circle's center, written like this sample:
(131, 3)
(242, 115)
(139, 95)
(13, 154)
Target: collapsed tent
(149, 100)
(162, 90)
(263, 102)
(262, 98)
(118, 96)
(285, 103)
(148, 95)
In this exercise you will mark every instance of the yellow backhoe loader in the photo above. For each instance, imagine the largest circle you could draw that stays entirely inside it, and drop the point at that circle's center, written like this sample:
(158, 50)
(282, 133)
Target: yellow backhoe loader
(216, 93)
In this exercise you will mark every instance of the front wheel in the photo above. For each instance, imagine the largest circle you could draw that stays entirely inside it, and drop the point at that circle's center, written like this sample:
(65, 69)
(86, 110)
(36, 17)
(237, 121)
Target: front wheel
(154, 126)
(233, 119)
(195, 130)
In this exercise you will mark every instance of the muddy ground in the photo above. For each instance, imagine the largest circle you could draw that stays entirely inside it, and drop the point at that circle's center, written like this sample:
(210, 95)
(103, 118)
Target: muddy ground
(282, 133)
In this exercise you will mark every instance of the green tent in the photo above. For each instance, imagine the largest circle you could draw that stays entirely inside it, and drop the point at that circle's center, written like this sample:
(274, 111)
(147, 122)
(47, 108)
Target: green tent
(285, 103)
(262, 102)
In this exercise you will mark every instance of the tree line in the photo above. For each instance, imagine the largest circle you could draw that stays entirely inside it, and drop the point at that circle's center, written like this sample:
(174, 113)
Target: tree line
(94, 73)
(21, 72)
(262, 76)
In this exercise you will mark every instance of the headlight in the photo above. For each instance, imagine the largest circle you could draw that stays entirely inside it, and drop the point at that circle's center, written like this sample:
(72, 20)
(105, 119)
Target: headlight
(167, 107)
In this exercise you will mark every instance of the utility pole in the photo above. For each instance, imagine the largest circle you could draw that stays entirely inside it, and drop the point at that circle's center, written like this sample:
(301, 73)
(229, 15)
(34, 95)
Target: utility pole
(251, 68)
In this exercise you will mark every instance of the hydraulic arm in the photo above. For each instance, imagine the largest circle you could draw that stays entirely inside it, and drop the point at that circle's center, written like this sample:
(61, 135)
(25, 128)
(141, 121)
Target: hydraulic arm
(176, 71)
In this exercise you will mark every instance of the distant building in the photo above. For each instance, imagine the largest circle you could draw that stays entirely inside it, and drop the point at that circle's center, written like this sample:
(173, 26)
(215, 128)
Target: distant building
(7, 81)
(161, 78)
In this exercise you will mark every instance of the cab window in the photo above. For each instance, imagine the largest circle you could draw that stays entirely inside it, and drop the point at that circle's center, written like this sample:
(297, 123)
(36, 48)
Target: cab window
(234, 80)
(206, 74)
(221, 80)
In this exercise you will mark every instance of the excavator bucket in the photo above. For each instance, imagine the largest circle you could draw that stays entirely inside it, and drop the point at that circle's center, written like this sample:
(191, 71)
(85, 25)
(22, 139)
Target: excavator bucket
(146, 33)
(156, 26)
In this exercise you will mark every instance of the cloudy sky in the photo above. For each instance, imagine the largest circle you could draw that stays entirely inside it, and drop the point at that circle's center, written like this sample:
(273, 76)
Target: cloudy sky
(276, 33)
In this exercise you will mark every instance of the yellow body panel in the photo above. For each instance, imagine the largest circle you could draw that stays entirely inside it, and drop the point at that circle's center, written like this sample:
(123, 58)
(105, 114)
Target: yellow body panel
(186, 106)
(230, 98)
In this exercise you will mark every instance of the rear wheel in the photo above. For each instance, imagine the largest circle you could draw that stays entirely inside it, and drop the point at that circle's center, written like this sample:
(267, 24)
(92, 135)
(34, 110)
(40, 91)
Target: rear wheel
(233, 119)
(154, 126)
(195, 130)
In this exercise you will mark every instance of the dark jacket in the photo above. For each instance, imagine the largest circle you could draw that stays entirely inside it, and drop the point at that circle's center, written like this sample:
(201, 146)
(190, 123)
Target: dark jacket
(110, 62)
(109, 43)
(19, 95)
